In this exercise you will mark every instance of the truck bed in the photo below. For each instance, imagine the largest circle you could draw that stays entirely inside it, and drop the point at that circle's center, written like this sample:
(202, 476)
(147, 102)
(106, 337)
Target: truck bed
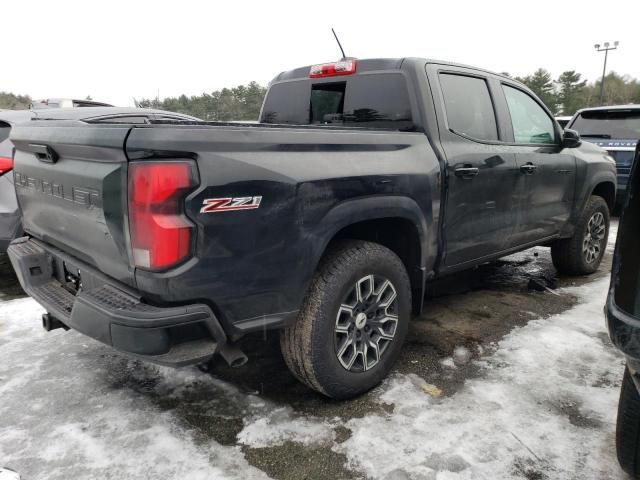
(79, 203)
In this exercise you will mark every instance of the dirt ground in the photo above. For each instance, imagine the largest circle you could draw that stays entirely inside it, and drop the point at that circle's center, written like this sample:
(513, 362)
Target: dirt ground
(472, 309)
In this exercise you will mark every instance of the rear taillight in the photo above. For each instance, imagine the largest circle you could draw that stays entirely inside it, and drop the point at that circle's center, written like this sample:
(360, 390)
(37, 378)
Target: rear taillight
(6, 164)
(161, 236)
(344, 67)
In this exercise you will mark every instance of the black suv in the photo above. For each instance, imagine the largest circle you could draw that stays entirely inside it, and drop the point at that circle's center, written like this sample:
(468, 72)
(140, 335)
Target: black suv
(623, 318)
(616, 129)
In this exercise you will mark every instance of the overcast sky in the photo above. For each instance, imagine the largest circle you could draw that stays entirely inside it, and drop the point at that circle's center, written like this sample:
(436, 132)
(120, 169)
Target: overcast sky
(116, 50)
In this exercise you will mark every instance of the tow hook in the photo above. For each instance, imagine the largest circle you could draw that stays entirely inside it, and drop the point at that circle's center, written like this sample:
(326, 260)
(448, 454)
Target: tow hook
(51, 323)
(233, 355)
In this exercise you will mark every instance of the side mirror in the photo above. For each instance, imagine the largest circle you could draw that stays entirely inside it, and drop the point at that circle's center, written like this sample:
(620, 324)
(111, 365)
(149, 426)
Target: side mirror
(571, 139)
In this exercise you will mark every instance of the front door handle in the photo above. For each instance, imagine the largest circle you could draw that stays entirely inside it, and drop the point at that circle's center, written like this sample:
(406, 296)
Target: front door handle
(466, 172)
(528, 168)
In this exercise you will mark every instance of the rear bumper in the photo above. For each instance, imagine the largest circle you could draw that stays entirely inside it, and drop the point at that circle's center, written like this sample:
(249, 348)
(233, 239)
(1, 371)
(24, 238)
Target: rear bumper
(113, 314)
(624, 330)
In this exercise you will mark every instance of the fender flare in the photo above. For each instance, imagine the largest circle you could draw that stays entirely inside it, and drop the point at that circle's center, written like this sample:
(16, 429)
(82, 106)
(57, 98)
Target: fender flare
(375, 207)
(598, 178)
(362, 209)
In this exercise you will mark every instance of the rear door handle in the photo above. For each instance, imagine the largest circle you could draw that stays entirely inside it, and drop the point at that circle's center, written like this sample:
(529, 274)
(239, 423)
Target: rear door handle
(466, 172)
(528, 168)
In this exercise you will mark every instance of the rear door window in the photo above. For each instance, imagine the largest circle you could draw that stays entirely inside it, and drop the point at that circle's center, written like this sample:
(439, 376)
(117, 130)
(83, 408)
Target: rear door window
(531, 124)
(469, 107)
(621, 124)
(378, 100)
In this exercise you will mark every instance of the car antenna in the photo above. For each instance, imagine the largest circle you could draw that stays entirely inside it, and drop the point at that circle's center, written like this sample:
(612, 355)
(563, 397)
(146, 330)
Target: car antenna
(344, 57)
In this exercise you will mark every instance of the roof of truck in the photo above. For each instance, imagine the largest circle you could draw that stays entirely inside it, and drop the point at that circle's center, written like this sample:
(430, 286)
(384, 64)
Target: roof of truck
(373, 64)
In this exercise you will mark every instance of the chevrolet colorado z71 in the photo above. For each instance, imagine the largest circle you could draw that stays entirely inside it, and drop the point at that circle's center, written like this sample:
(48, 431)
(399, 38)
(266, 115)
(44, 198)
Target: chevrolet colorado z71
(363, 180)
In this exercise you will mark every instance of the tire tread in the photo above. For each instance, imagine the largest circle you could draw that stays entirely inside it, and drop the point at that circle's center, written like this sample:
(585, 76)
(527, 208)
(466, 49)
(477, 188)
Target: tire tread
(296, 341)
(566, 254)
(628, 427)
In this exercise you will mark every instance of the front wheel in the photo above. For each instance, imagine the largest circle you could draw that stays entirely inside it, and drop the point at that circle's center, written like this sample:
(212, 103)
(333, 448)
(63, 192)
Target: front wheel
(353, 321)
(582, 253)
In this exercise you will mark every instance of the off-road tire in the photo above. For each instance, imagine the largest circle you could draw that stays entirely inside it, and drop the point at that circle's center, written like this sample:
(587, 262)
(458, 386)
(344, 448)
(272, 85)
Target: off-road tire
(628, 427)
(309, 345)
(568, 255)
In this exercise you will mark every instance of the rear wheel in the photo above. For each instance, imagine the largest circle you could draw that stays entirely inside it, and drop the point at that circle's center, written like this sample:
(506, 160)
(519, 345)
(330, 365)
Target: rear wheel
(353, 322)
(582, 253)
(628, 427)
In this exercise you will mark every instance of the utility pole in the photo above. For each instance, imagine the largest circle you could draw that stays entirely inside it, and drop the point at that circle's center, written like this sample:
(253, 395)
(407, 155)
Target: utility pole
(605, 48)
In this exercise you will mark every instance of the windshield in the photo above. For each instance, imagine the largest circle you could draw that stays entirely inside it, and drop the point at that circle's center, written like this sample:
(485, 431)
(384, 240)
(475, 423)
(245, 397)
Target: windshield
(608, 123)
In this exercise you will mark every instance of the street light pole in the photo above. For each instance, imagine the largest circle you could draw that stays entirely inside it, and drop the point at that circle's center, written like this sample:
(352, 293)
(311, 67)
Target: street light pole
(605, 49)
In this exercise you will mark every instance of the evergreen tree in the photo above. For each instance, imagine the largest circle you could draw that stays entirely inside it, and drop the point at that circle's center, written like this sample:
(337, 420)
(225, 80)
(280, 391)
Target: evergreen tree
(541, 84)
(571, 94)
(14, 102)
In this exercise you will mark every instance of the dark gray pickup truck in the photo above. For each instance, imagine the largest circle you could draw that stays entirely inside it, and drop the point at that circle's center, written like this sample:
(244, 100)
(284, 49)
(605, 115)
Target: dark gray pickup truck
(364, 180)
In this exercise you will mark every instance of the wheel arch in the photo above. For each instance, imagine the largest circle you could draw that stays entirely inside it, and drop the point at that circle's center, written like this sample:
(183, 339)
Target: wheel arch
(607, 190)
(396, 222)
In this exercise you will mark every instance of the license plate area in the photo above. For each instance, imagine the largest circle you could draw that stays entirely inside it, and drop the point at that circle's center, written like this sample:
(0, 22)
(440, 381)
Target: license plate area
(72, 278)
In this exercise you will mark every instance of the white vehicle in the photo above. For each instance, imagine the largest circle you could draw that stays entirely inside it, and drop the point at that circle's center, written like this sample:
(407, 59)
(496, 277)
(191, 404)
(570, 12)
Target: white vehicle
(563, 120)
(65, 103)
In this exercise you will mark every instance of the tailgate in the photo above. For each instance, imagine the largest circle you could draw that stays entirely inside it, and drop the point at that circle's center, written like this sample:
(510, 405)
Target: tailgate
(71, 183)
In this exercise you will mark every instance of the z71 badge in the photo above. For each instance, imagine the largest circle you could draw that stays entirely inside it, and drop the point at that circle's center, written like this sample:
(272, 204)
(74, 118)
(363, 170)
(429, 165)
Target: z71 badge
(215, 205)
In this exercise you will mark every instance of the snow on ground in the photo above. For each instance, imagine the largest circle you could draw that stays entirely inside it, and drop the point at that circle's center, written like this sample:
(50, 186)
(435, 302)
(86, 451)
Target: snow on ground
(543, 405)
(78, 424)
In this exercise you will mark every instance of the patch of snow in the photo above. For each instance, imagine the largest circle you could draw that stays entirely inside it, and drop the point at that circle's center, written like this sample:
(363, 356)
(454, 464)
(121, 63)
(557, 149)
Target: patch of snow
(281, 425)
(544, 406)
(72, 408)
(461, 356)
(448, 363)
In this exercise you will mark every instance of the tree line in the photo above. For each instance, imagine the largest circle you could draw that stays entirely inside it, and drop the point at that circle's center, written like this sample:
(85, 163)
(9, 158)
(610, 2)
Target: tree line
(569, 92)
(563, 95)
(239, 103)
(11, 101)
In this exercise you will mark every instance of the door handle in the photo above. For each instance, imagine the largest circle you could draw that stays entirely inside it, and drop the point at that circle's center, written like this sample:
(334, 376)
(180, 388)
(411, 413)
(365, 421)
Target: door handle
(466, 172)
(528, 168)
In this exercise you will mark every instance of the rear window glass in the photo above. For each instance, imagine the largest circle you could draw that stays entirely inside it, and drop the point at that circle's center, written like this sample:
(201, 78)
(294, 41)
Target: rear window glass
(622, 124)
(373, 101)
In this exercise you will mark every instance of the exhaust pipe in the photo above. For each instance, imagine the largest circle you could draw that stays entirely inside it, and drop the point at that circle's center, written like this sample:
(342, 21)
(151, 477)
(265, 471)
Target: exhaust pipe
(233, 356)
(51, 323)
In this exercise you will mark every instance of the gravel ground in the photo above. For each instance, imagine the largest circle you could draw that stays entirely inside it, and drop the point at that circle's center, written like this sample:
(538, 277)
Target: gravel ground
(497, 380)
